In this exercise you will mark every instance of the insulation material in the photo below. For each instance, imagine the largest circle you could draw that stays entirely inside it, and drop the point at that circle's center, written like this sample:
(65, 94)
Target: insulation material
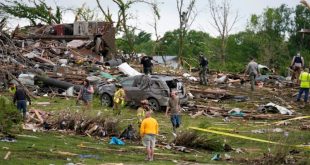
(128, 70)
(26, 79)
(75, 44)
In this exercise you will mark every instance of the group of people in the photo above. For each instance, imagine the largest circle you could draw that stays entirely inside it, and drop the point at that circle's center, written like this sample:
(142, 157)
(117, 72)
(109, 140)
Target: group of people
(300, 73)
(149, 126)
(147, 63)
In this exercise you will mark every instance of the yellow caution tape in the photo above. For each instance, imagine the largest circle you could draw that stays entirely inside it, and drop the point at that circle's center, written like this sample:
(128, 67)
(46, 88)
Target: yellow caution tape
(247, 138)
(221, 129)
(292, 119)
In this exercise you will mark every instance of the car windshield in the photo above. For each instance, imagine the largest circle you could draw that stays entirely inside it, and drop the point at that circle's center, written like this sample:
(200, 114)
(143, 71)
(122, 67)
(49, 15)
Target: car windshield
(127, 83)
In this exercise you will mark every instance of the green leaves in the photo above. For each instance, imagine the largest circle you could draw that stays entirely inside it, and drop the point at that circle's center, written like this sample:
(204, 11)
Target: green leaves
(9, 115)
(34, 11)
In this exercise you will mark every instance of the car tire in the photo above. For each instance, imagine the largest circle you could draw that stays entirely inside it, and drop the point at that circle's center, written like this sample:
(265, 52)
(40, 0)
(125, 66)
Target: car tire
(154, 105)
(106, 100)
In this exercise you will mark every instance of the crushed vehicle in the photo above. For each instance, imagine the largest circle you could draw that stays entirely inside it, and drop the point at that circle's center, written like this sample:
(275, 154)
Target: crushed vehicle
(155, 88)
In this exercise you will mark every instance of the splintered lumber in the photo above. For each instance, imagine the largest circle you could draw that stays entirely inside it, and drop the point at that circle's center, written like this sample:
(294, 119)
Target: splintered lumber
(64, 37)
(209, 91)
(270, 117)
(7, 155)
(44, 60)
(39, 116)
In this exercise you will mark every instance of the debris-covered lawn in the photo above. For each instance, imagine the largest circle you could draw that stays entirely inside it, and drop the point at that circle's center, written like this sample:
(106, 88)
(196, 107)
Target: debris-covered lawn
(222, 123)
(39, 146)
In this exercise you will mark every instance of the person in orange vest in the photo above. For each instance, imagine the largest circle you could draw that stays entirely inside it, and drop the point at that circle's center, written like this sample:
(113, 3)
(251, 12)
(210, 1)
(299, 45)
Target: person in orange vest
(148, 132)
(304, 79)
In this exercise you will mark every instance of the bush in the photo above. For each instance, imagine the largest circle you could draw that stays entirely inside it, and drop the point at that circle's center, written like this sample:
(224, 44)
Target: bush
(232, 67)
(195, 140)
(9, 115)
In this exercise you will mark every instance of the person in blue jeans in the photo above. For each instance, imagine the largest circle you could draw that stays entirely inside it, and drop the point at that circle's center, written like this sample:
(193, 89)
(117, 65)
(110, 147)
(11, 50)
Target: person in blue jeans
(304, 79)
(20, 99)
(174, 108)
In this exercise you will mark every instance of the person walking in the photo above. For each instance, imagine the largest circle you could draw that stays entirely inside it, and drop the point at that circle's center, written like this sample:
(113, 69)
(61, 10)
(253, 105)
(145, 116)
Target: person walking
(20, 99)
(118, 99)
(304, 79)
(147, 64)
(253, 71)
(297, 64)
(86, 94)
(148, 132)
(203, 68)
(175, 109)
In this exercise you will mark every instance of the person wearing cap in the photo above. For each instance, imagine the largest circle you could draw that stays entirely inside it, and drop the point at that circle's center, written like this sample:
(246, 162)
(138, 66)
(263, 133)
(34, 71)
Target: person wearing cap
(304, 79)
(142, 109)
(86, 94)
(203, 68)
(118, 99)
(148, 132)
(147, 64)
(297, 64)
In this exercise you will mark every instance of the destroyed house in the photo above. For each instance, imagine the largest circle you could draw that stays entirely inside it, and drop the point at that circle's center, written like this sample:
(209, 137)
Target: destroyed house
(101, 33)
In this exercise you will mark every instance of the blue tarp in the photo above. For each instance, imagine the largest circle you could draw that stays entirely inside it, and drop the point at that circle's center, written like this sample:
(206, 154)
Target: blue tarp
(116, 141)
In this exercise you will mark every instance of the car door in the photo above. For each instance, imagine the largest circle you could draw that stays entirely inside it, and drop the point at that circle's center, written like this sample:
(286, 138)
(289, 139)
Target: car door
(133, 93)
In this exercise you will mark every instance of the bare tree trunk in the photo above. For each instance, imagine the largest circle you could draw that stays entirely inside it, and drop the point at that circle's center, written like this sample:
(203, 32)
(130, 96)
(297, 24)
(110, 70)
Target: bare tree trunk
(220, 16)
(186, 18)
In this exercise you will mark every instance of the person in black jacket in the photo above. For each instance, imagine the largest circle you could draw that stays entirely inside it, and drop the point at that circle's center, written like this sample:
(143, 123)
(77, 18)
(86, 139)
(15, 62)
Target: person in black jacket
(20, 99)
(146, 61)
(203, 64)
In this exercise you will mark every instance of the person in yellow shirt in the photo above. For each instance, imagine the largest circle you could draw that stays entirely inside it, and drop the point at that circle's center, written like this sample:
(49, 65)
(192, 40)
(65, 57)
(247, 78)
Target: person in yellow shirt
(118, 99)
(304, 79)
(148, 131)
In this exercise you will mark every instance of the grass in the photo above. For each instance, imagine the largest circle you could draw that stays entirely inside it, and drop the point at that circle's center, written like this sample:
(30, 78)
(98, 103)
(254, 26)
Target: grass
(50, 147)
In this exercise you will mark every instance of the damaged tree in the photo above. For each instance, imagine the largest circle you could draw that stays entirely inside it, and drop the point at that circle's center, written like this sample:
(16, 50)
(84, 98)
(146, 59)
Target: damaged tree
(220, 15)
(186, 18)
(123, 17)
(84, 13)
(38, 11)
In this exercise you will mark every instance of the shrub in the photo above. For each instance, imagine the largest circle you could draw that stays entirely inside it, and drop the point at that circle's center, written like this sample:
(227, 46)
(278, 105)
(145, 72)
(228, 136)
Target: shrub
(9, 115)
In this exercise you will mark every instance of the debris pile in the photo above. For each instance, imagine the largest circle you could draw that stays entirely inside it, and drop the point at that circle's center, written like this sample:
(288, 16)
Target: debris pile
(55, 57)
(69, 121)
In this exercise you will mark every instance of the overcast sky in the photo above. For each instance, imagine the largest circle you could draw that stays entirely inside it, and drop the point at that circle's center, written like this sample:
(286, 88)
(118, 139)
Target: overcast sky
(143, 17)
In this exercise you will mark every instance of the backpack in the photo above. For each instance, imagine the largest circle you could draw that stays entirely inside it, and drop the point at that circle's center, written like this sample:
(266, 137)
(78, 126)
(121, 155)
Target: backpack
(204, 62)
(297, 59)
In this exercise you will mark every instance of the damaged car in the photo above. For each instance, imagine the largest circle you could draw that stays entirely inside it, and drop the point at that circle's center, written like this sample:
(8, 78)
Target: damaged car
(155, 88)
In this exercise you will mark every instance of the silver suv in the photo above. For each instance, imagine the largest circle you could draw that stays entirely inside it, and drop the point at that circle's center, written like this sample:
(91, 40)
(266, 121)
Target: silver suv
(155, 88)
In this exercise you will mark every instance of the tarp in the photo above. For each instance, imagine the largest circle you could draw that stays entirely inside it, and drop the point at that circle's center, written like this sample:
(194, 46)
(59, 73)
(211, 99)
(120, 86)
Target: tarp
(106, 75)
(128, 70)
(116, 141)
